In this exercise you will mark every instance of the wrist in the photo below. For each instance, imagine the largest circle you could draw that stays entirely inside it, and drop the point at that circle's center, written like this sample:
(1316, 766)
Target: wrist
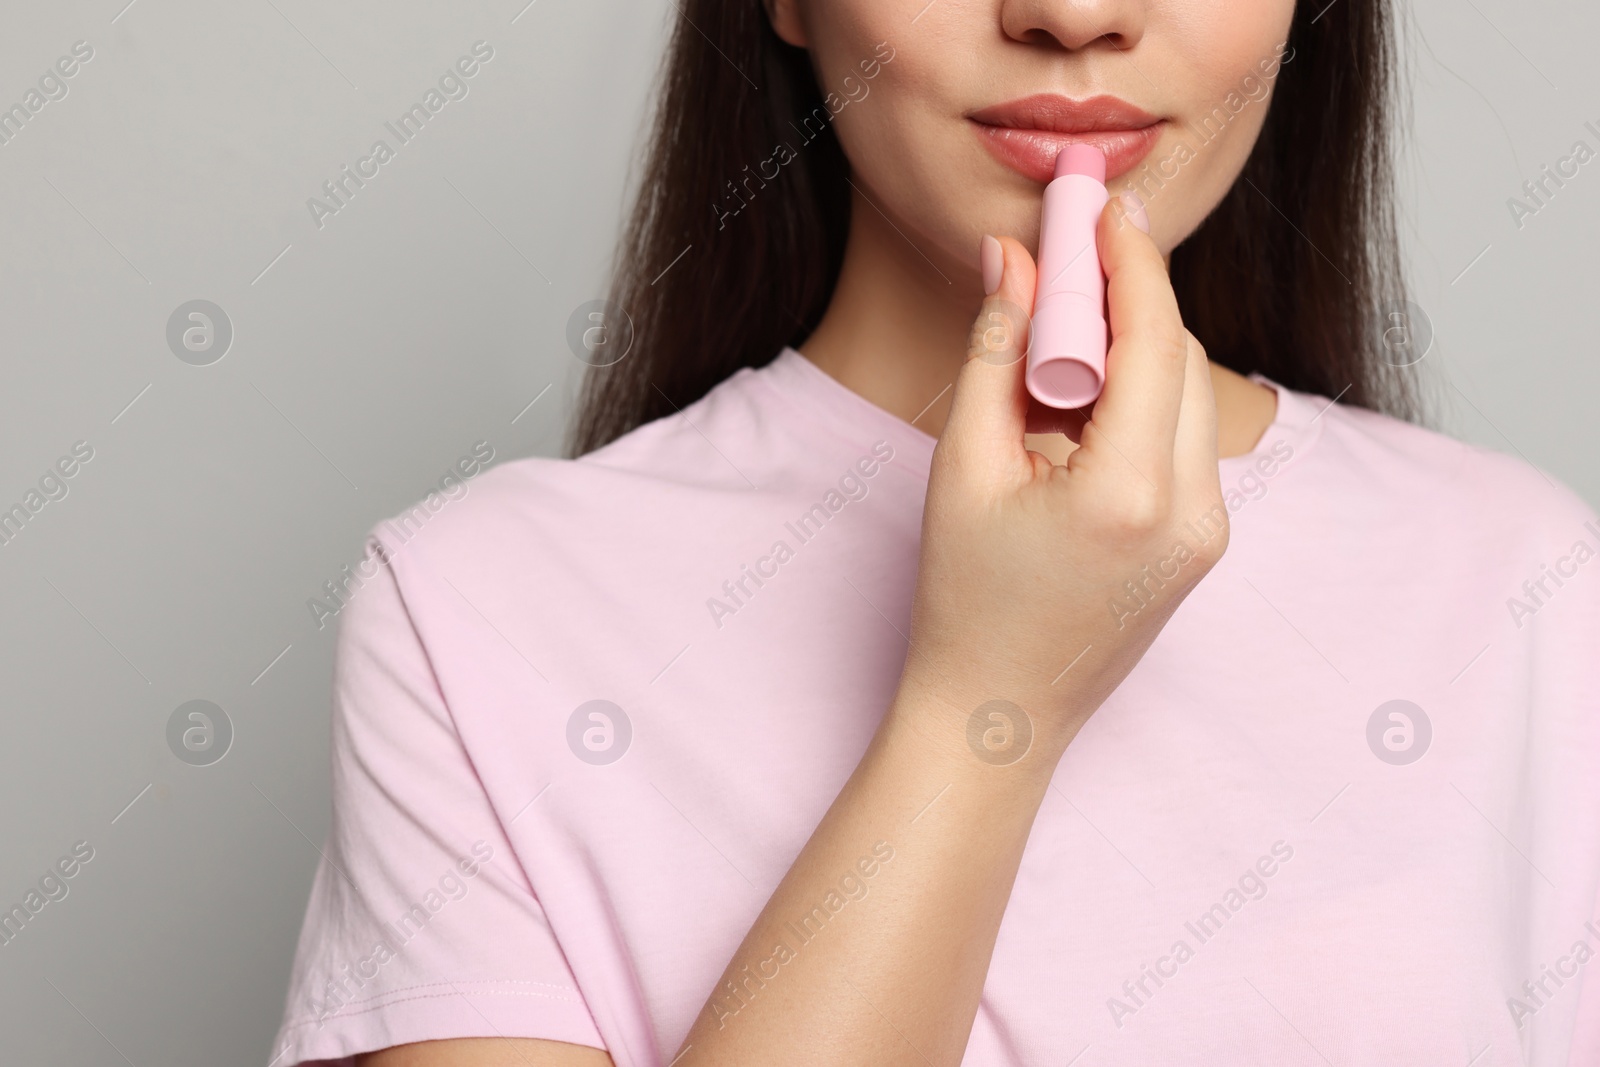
(981, 730)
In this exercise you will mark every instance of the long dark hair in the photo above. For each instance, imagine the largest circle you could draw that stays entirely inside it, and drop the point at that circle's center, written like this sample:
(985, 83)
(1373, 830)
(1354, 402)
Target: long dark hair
(1293, 275)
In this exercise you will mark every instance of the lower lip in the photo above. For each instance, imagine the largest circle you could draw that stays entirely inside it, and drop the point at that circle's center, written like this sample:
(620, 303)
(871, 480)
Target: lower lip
(1032, 153)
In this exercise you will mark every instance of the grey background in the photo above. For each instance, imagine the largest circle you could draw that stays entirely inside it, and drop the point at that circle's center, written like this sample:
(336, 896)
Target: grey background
(369, 355)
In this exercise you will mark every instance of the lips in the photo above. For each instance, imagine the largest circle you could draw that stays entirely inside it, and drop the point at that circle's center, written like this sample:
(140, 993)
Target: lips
(1027, 134)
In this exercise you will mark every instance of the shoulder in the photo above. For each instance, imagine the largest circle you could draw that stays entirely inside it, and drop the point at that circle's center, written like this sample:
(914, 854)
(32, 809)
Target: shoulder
(662, 471)
(1445, 482)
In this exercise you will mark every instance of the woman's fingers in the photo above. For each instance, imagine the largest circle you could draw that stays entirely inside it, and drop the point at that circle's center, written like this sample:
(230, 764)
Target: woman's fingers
(1195, 452)
(988, 412)
(1137, 413)
(1042, 418)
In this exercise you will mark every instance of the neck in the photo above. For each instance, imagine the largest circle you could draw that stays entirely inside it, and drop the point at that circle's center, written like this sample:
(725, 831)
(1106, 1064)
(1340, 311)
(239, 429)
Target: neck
(896, 333)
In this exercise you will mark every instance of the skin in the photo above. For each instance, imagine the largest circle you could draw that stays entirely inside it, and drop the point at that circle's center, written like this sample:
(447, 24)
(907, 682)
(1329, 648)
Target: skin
(896, 329)
(1026, 535)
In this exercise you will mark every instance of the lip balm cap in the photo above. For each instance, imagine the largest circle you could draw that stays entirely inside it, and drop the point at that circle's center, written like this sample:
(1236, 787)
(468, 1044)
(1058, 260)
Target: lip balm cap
(1083, 159)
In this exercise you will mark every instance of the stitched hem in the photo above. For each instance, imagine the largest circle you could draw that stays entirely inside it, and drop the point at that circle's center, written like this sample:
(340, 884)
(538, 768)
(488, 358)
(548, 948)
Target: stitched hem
(506, 1008)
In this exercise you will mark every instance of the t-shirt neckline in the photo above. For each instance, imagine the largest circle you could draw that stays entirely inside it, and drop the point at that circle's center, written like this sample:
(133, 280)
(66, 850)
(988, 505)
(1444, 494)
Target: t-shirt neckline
(1295, 423)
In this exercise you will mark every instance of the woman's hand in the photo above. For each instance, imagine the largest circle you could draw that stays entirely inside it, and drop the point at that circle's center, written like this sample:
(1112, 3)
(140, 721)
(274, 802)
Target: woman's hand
(1042, 585)
(1021, 561)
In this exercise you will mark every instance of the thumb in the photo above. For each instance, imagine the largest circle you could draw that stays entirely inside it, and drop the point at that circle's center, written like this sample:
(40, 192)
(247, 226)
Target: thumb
(988, 412)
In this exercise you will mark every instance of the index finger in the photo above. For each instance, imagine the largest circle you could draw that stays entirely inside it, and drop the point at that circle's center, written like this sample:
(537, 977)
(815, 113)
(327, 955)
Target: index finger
(1137, 413)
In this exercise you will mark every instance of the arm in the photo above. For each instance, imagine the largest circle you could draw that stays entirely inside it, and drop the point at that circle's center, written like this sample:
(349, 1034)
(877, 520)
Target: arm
(487, 1052)
(1019, 561)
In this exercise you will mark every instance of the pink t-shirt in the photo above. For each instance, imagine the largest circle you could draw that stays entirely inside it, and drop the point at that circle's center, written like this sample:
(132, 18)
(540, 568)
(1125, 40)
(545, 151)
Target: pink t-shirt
(1346, 810)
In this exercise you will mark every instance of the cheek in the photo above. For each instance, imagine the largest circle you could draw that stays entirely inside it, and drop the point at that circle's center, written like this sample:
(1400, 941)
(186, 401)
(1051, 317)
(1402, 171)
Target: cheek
(1226, 39)
(880, 132)
(1230, 48)
(848, 40)
(1230, 68)
(840, 34)
(895, 125)
(927, 72)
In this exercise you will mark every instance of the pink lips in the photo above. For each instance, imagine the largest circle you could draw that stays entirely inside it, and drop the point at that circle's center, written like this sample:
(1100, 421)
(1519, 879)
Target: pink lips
(1028, 134)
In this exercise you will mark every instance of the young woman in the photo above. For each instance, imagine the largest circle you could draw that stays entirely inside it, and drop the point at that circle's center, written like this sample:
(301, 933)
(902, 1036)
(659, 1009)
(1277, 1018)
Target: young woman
(839, 705)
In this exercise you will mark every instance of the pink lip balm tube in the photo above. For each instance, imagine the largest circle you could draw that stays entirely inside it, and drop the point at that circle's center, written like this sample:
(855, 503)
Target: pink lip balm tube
(1067, 349)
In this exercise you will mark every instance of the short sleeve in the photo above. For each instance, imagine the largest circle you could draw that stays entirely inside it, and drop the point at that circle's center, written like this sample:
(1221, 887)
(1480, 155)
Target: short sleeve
(421, 924)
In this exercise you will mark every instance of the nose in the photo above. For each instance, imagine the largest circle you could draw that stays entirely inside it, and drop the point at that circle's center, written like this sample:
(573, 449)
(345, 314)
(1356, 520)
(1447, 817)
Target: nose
(1074, 24)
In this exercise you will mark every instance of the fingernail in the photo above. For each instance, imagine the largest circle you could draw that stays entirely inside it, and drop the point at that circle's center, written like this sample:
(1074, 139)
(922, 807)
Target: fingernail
(1133, 208)
(993, 258)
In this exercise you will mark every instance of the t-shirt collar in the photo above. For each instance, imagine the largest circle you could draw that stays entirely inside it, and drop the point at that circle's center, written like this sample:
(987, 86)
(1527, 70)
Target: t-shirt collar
(1296, 423)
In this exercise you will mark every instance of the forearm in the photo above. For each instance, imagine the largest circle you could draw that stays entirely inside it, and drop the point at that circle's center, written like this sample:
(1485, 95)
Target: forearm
(893, 974)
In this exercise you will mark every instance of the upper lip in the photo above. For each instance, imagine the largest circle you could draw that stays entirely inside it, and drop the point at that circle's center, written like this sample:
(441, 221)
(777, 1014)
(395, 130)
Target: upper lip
(1055, 113)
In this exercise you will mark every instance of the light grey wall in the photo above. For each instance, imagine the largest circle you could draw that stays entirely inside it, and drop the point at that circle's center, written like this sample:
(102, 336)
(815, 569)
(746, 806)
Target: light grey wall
(369, 354)
(1503, 89)
(367, 359)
